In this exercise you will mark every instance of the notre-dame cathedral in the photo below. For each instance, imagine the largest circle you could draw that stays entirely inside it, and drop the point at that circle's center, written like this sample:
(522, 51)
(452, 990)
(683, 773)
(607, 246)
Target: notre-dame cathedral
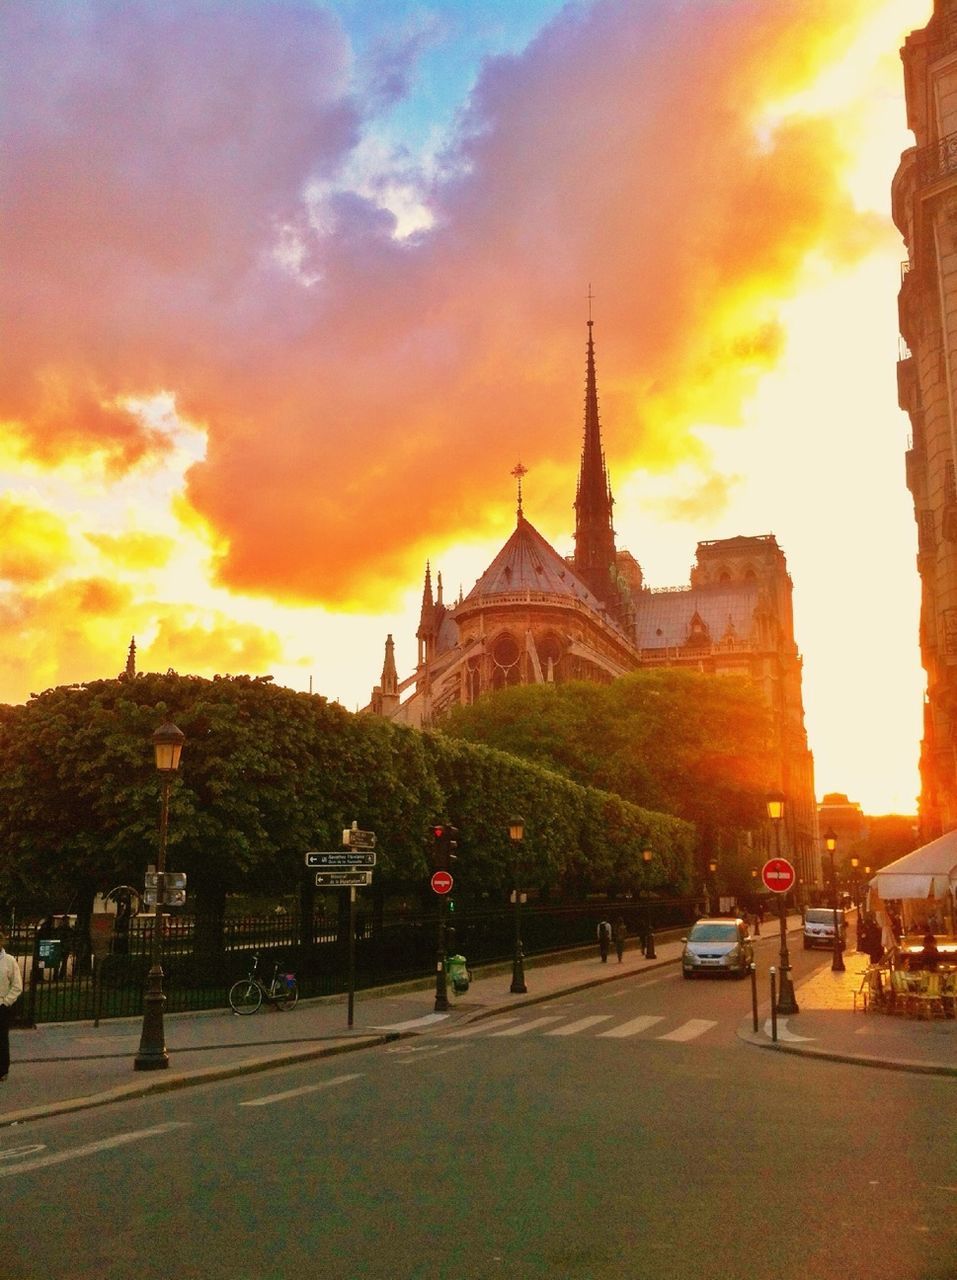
(535, 616)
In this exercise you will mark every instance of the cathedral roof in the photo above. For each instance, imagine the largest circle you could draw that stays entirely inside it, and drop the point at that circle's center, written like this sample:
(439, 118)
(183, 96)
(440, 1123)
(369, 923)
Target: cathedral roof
(663, 618)
(528, 563)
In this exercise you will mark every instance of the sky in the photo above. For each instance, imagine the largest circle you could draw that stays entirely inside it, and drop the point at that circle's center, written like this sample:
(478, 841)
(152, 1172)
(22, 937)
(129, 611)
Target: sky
(287, 288)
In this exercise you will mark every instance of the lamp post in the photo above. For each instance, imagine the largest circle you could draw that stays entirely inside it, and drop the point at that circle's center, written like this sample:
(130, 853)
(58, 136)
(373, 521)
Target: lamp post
(713, 888)
(855, 863)
(837, 962)
(516, 833)
(167, 746)
(647, 853)
(786, 1003)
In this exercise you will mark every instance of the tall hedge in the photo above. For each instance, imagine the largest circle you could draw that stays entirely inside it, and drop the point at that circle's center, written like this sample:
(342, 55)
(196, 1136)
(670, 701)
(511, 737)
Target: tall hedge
(267, 774)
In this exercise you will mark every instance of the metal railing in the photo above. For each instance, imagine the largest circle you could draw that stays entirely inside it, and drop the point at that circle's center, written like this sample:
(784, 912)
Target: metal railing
(937, 161)
(65, 982)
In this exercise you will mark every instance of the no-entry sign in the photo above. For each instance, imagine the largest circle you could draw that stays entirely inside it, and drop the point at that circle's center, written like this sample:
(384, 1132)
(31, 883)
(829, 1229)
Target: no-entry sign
(441, 882)
(778, 874)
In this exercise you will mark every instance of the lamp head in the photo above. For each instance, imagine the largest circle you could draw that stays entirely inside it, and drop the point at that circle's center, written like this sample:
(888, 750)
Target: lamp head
(168, 746)
(775, 803)
(830, 839)
(516, 829)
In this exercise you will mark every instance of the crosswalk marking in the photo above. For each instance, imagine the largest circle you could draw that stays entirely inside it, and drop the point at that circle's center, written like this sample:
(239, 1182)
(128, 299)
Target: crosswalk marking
(479, 1029)
(631, 1028)
(296, 1093)
(580, 1025)
(527, 1026)
(689, 1030)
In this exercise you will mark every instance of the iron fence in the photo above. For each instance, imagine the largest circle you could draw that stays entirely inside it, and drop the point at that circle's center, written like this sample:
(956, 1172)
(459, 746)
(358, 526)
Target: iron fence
(64, 981)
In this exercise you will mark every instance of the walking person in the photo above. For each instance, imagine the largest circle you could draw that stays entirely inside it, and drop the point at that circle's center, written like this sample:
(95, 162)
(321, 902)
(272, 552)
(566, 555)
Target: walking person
(620, 934)
(604, 940)
(11, 985)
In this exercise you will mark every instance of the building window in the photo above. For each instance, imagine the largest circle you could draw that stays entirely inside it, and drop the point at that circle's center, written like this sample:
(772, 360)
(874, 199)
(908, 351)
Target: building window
(505, 659)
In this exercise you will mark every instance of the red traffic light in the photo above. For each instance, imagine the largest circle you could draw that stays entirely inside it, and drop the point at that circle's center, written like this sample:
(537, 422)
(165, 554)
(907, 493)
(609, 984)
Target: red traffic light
(438, 832)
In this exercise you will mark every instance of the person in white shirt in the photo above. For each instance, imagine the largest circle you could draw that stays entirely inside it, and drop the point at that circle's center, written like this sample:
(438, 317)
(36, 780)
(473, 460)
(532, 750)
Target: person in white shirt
(11, 985)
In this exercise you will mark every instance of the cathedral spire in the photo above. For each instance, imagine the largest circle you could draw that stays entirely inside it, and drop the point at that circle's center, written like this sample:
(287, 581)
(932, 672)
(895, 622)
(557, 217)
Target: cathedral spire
(594, 532)
(130, 670)
(426, 629)
(390, 676)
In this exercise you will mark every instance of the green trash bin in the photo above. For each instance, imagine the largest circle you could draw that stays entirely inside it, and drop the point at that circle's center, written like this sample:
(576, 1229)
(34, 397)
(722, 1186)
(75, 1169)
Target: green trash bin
(459, 974)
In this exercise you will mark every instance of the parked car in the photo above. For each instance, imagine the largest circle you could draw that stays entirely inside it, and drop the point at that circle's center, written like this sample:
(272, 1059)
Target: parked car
(819, 927)
(717, 946)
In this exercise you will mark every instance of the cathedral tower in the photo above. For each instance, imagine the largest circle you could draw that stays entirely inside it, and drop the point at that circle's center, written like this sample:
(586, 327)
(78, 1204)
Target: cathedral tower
(594, 558)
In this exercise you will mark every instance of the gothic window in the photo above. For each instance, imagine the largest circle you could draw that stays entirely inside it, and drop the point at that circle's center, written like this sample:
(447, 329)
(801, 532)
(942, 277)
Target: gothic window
(724, 576)
(550, 648)
(473, 680)
(750, 575)
(506, 654)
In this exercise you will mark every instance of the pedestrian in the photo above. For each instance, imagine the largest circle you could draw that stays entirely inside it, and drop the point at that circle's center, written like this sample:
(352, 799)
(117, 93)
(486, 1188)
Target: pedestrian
(620, 934)
(11, 985)
(604, 940)
(929, 955)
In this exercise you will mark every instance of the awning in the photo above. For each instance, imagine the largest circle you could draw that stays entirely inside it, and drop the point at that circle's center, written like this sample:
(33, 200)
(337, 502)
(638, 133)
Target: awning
(928, 872)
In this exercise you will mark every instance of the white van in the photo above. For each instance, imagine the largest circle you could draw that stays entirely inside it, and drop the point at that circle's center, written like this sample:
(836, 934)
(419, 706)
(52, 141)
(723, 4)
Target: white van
(819, 927)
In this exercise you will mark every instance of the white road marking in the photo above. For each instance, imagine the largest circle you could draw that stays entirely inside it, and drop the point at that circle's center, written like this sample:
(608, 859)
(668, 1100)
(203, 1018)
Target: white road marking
(433, 1053)
(690, 1029)
(425, 1021)
(480, 1028)
(15, 1153)
(783, 1032)
(631, 1028)
(527, 1026)
(297, 1093)
(580, 1025)
(91, 1148)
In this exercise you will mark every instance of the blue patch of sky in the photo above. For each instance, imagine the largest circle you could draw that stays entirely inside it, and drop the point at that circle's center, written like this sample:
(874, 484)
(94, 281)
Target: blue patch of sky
(461, 34)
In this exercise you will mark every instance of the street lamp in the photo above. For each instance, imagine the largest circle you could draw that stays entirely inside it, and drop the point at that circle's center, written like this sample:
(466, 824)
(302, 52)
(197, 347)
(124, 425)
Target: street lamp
(786, 1002)
(713, 891)
(830, 844)
(855, 863)
(167, 746)
(516, 833)
(650, 954)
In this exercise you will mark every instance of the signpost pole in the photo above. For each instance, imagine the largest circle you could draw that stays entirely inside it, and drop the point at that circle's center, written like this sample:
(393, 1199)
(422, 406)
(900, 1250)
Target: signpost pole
(352, 952)
(441, 988)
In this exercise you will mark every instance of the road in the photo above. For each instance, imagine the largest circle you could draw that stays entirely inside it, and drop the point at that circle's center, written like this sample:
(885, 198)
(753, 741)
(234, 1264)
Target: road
(623, 1131)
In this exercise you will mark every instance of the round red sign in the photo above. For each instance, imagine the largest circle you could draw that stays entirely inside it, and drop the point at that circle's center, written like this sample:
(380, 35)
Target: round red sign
(778, 874)
(441, 882)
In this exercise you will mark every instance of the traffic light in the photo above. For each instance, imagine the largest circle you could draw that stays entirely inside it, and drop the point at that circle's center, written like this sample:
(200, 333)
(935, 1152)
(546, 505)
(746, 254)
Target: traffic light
(444, 844)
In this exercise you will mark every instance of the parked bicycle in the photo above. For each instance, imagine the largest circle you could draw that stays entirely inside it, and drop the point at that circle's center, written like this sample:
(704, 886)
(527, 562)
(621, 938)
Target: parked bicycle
(247, 995)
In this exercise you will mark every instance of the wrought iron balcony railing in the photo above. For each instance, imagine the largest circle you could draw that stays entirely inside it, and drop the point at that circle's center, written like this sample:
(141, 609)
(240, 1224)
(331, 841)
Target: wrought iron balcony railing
(938, 160)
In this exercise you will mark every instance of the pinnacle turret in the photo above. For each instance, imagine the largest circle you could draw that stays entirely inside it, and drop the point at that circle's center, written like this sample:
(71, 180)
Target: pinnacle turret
(594, 533)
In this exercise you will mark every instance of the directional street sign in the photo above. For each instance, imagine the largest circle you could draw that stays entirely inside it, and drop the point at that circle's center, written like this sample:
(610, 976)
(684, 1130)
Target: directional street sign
(342, 879)
(352, 838)
(341, 858)
(778, 875)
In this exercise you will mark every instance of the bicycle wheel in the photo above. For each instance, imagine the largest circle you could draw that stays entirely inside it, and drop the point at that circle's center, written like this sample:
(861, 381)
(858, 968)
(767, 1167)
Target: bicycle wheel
(245, 996)
(288, 997)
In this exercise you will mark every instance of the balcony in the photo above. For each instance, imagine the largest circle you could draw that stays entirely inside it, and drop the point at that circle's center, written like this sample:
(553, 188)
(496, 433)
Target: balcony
(937, 161)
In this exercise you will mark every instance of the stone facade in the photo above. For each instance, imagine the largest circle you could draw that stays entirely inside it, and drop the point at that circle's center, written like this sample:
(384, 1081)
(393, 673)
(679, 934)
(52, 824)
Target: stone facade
(924, 201)
(537, 617)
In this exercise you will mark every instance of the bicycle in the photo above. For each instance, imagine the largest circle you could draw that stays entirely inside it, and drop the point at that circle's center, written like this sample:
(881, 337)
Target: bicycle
(247, 995)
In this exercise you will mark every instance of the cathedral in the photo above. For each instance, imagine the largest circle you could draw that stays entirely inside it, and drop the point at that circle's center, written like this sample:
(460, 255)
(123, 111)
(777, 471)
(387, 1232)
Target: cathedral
(535, 616)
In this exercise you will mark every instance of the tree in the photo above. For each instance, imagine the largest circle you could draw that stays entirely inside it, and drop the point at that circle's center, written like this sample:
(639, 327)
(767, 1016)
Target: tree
(672, 741)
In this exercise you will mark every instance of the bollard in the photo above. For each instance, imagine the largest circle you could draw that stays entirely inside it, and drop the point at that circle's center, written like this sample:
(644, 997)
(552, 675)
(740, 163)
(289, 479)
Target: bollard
(650, 953)
(774, 1005)
(754, 995)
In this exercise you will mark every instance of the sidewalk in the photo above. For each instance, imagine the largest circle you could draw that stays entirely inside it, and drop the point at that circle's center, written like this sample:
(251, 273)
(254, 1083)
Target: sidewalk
(71, 1066)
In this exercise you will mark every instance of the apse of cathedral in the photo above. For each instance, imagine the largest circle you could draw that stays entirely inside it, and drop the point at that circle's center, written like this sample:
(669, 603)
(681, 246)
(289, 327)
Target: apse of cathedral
(535, 616)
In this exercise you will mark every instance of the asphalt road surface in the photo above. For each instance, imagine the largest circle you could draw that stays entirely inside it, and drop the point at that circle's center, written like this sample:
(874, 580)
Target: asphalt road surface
(623, 1131)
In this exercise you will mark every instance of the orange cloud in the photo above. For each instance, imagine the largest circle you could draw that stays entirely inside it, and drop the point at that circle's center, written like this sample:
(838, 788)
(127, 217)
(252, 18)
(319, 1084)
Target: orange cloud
(33, 542)
(218, 647)
(354, 419)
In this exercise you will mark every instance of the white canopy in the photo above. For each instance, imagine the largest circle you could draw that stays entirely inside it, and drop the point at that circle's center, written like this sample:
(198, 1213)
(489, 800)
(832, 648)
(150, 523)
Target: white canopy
(928, 872)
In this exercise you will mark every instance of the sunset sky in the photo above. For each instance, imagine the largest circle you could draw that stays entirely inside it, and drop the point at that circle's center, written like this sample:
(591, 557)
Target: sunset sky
(289, 287)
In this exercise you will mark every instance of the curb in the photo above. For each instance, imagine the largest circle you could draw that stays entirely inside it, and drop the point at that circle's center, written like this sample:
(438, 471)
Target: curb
(854, 1059)
(184, 1079)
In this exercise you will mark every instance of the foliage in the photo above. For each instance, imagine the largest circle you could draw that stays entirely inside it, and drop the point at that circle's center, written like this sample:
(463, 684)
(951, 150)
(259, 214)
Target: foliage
(673, 741)
(267, 774)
